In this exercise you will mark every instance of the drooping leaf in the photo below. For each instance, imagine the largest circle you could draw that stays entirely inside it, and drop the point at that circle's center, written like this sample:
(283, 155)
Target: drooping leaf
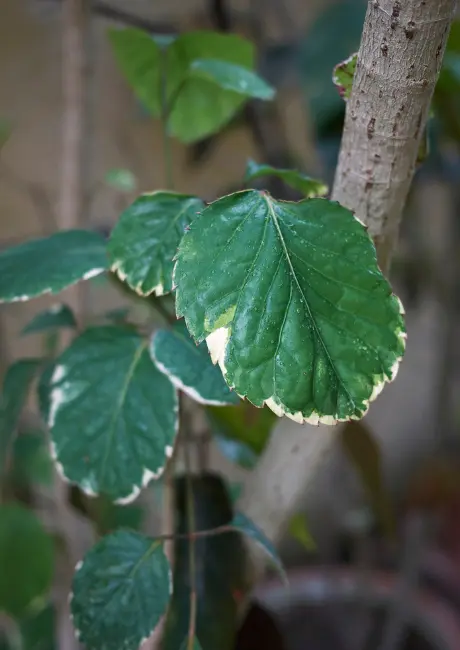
(31, 461)
(113, 414)
(307, 186)
(298, 530)
(189, 367)
(121, 179)
(237, 451)
(144, 241)
(292, 305)
(363, 451)
(343, 75)
(58, 316)
(38, 630)
(220, 568)
(245, 525)
(16, 387)
(26, 559)
(232, 77)
(120, 592)
(50, 264)
(196, 106)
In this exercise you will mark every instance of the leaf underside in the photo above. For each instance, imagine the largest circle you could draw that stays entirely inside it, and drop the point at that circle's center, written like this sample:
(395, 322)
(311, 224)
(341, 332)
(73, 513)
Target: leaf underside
(292, 305)
(113, 414)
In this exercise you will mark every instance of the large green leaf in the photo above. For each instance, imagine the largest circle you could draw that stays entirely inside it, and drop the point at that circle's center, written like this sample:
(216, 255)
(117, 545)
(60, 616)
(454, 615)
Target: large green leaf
(232, 77)
(113, 414)
(292, 304)
(307, 186)
(16, 387)
(220, 563)
(26, 559)
(189, 366)
(120, 592)
(196, 106)
(51, 264)
(57, 316)
(146, 238)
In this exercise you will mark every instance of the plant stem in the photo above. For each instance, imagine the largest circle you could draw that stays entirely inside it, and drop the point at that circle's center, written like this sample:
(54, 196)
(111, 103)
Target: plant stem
(191, 541)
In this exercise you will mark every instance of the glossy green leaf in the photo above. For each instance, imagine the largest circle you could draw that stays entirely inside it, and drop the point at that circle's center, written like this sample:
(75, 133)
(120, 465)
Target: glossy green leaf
(15, 391)
(232, 77)
(245, 525)
(299, 531)
(144, 241)
(220, 563)
(31, 461)
(121, 179)
(113, 414)
(120, 592)
(307, 186)
(189, 367)
(343, 75)
(26, 560)
(58, 316)
(196, 106)
(51, 264)
(292, 305)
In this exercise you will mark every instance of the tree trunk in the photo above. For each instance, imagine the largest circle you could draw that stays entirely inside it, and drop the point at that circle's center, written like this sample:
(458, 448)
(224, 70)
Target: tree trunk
(399, 60)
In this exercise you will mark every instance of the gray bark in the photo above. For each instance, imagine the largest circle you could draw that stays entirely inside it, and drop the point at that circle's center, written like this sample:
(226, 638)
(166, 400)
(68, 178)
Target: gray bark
(399, 60)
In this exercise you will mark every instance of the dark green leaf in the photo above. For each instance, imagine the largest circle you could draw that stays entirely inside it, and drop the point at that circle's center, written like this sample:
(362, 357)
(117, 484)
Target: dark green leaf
(121, 179)
(299, 531)
(37, 630)
(292, 305)
(364, 453)
(307, 186)
(146, 238)
(31, 462)
(196, 106)
(232, 77)
(244, 525)
(189, 366)
(56, 317)
(244, 423)
(51, 264)
(26, 560)
(113, 414)
(120, 592)
(343, 75)
(237, 452)
(15, 391)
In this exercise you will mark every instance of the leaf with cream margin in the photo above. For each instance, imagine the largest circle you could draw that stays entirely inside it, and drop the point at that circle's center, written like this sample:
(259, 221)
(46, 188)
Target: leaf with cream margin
(189, 367)
(51, 264)
(292, 305)
(120, 591)
(307, 186)
(144, 241)
(113, 415)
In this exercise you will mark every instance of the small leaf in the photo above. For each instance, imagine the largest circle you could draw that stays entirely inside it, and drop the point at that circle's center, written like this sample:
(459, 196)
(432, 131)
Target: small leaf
(343, 75)
(31, 462)
(26, 560)
(51, 264)
(244, 525)
(58, 316)
(232, 77)
(189, 367)
(120, 592)
(16, 387)
(121, 179)
(5, 131)
(144, 241)
(307, 186)
(113, 414)
(237, 452)
(292, 305)
(299, 531)
(364, 453)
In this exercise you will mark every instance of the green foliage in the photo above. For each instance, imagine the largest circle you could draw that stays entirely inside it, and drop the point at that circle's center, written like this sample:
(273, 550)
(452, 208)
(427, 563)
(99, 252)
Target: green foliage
(37, 630)
(5, 131)
(30, 460)
(292, 304)
(232, 77)
(343, 75)
(26, 560)
(113, 414)
(298, 529)
(189, 367)
(120, 591)
(307, 186)
(51, 264)
(244, 525)
(194, 646)
(121, 179)
(145, 240)
(58, 316)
